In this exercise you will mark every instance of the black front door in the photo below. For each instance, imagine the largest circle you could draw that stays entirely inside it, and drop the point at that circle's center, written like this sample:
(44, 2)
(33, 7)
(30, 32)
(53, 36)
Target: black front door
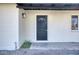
(42, 27)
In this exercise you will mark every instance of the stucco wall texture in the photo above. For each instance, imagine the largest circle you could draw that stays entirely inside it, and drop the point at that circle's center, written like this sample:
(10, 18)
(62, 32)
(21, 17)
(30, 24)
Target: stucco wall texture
(9, 34)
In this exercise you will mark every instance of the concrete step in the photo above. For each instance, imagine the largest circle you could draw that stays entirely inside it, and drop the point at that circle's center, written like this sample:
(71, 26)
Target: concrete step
(56, 45)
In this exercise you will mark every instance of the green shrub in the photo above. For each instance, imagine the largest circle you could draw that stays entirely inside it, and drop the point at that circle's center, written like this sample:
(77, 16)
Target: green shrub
(26, 44)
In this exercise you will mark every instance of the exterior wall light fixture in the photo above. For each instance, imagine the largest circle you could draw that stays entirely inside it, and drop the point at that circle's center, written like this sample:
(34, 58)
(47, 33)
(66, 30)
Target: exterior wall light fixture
(23, 15)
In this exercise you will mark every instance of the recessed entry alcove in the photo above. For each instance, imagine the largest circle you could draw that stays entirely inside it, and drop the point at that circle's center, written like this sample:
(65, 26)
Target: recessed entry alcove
(48, 22)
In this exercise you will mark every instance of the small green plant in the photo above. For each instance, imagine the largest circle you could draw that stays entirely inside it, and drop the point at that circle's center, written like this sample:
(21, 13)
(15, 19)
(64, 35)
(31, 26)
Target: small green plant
(26, 44)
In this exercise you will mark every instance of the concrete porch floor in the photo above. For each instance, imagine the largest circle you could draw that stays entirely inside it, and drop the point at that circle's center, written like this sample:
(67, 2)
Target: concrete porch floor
(56, 48)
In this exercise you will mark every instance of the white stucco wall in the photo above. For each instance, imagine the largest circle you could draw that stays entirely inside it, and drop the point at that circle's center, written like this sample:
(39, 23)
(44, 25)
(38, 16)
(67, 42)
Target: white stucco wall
(59, 25)
(9, 26)
(22, 27)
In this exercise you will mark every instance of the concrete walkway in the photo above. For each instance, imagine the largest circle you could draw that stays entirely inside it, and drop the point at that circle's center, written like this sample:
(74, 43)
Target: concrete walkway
(71, 48)
(40, 52)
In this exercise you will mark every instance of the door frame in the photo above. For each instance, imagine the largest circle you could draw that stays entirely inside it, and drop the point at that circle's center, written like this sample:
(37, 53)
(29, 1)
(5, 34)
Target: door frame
(47, 29)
